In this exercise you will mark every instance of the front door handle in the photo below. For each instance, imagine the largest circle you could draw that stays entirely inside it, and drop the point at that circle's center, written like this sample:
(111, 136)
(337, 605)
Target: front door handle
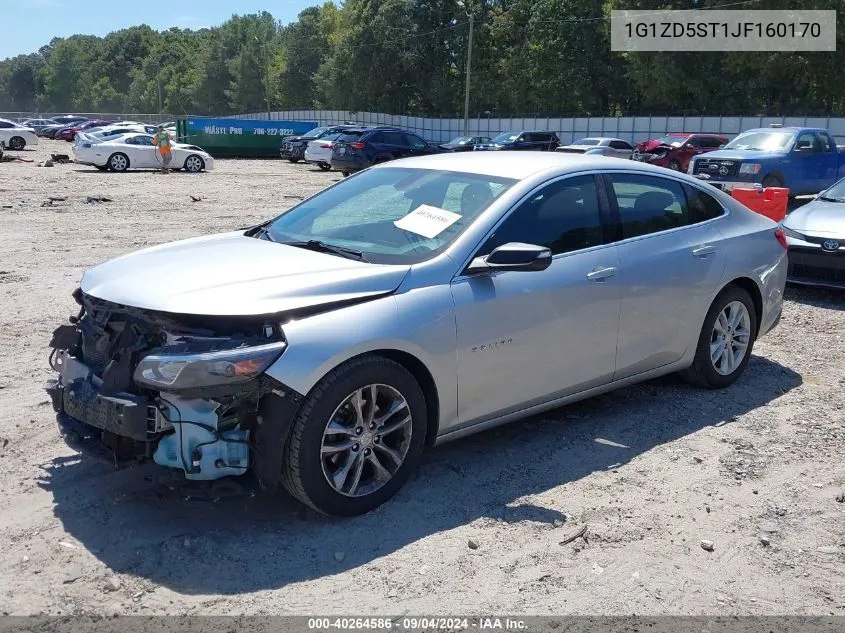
(601, 274)
(703, 251)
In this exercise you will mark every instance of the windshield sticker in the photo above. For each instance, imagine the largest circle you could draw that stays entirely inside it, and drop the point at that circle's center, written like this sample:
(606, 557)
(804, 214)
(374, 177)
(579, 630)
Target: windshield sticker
(427, 221)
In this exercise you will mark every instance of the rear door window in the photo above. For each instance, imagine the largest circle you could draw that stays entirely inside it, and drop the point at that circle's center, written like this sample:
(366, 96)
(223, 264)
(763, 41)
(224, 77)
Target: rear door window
(702, 206)
(649, 204)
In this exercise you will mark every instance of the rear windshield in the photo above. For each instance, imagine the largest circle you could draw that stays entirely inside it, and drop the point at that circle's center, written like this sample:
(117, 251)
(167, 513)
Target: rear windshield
(349, 136)
(587, 141)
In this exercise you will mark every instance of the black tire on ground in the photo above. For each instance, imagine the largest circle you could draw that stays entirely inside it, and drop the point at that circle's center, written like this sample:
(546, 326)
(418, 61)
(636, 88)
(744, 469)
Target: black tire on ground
(302, 470)
(194, 164)
(293, 160)
(674, 165)
(702, 372)
(346, 174)
(17, 143)
(772, 181)
(324, 166)
(118, 162)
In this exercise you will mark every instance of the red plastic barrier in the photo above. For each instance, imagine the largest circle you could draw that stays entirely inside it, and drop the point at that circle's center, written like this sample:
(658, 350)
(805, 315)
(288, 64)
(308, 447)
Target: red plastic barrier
(770, 202)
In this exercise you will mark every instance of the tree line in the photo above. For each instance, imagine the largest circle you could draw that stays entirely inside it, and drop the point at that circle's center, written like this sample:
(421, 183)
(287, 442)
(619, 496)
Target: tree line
(530, 58)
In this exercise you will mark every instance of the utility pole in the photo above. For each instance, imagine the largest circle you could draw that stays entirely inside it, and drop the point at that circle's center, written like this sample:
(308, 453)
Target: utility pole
(266, 74)
(469, 70)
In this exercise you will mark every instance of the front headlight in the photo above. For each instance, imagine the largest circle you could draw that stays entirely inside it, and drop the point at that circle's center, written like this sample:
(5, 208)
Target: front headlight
(177, 372)
(793, 234)
(750, 168)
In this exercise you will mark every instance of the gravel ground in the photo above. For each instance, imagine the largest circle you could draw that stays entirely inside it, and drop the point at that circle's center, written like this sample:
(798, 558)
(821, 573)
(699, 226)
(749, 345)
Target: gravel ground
(652, 471)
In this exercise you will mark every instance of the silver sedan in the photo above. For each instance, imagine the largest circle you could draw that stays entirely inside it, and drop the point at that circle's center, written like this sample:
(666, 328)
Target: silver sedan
(414, 303)
(816, 236)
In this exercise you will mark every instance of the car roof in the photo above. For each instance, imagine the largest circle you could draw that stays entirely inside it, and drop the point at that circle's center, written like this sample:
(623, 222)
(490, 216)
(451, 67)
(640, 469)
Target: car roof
(519, 165)
(784, 129)
(598, 138)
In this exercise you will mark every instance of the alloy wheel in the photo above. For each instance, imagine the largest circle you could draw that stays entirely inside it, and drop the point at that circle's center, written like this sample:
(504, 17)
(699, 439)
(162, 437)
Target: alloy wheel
(366, 440)
(118, 162)
(193, 164)
(730, 338)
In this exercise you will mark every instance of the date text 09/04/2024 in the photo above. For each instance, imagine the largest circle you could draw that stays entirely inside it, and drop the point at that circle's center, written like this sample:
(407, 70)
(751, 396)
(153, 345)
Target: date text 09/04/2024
(418, 624)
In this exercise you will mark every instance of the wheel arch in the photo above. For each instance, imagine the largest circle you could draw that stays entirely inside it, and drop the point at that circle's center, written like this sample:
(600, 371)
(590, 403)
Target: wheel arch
(418, 370)
(774, 173)
(426, 381)
(753, 289)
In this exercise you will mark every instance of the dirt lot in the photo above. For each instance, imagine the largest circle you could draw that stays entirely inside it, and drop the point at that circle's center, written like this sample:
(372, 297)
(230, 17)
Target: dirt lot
(651, 470)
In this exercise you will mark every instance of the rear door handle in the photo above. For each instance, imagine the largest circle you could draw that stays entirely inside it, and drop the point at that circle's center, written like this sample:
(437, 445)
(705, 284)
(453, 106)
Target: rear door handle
(703, 251)
(601, 274)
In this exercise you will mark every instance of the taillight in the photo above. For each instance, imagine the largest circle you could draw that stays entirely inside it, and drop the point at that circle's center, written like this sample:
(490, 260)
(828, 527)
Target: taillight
(781, 237)
(331, 146)
(357, 145)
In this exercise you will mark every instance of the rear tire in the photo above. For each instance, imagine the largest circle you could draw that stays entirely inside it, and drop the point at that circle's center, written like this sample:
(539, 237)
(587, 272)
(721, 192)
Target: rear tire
(324, 166)
(346, 174)
(118, 162)
(674, 165)
(293, 160)
(313, 456)
(717, 363)
(17, 143)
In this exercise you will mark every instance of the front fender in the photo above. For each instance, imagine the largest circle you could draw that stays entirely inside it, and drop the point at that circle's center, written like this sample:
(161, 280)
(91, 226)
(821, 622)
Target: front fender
(420, 322)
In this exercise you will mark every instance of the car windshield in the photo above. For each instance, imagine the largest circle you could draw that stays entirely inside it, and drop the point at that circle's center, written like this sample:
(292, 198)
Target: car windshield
(316, 132)
(460, 140)
(762, 141)
(836, 192)
(506, 137)
(674, 141)
(362, 213)
(587, 141)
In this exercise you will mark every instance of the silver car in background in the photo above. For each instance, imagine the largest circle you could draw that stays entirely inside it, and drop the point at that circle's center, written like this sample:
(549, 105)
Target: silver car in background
(815, 233)
(600, 145)
(414, 303)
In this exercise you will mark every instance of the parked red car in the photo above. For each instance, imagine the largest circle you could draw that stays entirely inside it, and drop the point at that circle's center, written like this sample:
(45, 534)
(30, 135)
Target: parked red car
(677, 148)
(69, 133)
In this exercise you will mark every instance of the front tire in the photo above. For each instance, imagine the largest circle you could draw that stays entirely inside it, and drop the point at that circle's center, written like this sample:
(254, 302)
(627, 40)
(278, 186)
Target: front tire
(17, 143)
(194, 164)
(324, 166)
(726, 340)
(293, 160)
(772, 181)
(674, 165)
(118, 162)
(357, 437)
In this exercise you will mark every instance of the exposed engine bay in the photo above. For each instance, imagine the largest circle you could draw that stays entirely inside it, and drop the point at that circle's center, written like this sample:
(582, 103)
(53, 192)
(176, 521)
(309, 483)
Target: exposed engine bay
(186, 391)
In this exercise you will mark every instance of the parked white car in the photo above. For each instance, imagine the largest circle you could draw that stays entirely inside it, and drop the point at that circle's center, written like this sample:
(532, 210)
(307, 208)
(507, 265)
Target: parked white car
(319, 152)
(601, 145)
(16, 136)
(137, 151)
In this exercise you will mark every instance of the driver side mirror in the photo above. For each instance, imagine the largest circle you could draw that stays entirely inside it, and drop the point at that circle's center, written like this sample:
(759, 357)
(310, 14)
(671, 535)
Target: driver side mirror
(513, 256)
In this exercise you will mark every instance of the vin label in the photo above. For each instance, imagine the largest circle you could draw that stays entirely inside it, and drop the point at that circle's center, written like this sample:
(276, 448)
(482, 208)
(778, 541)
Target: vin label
(713, 31)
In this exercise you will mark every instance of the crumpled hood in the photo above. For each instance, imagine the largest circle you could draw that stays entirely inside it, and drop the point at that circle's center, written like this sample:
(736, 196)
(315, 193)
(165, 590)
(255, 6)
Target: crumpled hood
(234, 275)
(739, 154)
(650, 146)
(819, 218)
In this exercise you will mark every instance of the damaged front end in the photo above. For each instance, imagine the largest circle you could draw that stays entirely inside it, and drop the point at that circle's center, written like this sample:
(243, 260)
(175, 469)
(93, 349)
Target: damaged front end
(650, 153)
(187, 391)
